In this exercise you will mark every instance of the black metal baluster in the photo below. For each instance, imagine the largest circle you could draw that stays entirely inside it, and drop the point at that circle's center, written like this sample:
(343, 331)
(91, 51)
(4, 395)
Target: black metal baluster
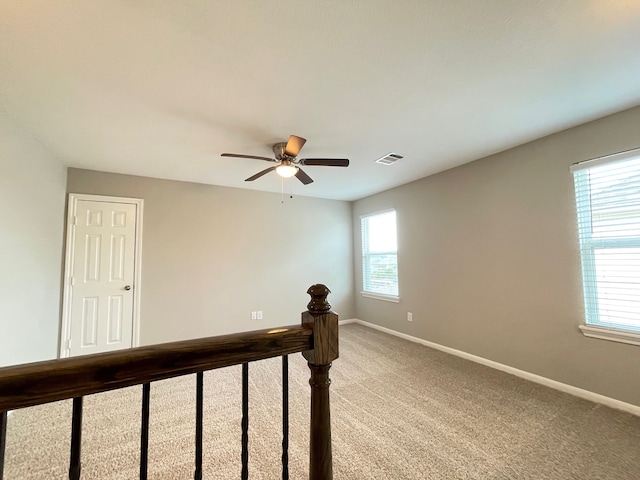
(245, 421)
(285, 417)
(199, 397)
(3, 441)
(76, 440)
(144, 431)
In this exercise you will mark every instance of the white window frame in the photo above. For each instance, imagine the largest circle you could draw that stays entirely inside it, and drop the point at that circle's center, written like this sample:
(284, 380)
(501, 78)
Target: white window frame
(593, 326)
(366, 256)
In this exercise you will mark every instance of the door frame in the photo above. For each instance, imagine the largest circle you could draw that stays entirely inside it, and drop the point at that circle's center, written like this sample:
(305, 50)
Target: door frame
(65, 328)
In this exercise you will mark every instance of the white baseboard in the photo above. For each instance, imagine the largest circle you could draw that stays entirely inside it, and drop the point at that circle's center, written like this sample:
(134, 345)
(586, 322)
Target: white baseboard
(547, 382)
(348, 321)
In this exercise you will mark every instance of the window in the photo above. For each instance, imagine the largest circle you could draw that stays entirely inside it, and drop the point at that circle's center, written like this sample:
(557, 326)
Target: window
(380, 255)
(608, 207)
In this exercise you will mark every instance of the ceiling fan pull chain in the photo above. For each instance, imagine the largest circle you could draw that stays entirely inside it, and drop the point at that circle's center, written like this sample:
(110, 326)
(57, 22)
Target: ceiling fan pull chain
(282, 189)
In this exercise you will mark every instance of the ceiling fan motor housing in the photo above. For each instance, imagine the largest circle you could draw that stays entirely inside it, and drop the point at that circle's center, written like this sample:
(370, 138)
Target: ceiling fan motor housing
(278, 151)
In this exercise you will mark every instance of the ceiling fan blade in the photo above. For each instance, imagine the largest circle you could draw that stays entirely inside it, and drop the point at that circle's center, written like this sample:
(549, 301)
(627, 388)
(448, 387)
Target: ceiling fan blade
(259, 174)
(303, 177)
(240, 155)
(294, 145)
(327, 162)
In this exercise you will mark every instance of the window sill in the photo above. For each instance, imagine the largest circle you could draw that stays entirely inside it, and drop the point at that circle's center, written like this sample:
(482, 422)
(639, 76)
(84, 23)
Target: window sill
(611, 334)
(382, 296)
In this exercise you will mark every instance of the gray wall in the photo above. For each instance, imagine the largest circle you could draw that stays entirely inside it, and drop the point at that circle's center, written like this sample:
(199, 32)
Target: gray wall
(211, 255)
(489, 261)
(32, 185)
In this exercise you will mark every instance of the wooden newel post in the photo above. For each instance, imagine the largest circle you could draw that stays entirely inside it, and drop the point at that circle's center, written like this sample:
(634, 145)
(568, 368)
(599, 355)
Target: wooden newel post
(325, 350)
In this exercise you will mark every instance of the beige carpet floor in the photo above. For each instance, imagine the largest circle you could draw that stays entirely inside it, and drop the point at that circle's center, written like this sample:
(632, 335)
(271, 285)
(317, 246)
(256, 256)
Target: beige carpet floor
(399, 411)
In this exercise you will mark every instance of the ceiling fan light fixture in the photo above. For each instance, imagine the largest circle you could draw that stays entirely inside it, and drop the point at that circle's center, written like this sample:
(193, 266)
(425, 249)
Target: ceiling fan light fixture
(286, 169)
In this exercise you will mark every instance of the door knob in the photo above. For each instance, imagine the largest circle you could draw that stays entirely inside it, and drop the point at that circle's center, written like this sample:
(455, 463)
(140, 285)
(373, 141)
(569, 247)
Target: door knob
(127, 287)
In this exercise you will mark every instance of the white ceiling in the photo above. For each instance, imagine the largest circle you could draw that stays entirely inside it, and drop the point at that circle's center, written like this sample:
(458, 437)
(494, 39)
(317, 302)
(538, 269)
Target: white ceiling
(161, 88)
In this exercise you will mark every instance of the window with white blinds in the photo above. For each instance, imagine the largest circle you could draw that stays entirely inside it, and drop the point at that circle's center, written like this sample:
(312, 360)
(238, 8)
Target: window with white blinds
(380, 255)
(608, 207)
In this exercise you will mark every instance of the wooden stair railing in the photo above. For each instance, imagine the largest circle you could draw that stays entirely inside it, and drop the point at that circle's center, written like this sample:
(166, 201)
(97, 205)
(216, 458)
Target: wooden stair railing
(72, 378)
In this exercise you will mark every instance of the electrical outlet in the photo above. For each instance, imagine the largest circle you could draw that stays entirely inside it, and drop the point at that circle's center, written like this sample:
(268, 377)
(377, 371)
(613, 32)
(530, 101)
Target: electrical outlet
(259, 314)
(409, 317)
(254, 315)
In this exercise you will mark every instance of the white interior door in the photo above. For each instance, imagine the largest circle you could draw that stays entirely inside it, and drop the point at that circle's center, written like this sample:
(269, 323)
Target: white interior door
(100, 299)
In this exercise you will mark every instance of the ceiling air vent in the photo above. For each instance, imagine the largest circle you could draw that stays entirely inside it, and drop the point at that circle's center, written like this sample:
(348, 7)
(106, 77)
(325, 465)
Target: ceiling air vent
(389, 159)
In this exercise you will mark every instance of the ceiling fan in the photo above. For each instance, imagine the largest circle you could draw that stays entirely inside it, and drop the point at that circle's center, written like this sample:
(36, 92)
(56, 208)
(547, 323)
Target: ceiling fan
(287, 163)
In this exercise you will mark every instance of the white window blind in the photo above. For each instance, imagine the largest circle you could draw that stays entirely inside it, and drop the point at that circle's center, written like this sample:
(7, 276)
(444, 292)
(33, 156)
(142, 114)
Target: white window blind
(608, 207)
(379, 253)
